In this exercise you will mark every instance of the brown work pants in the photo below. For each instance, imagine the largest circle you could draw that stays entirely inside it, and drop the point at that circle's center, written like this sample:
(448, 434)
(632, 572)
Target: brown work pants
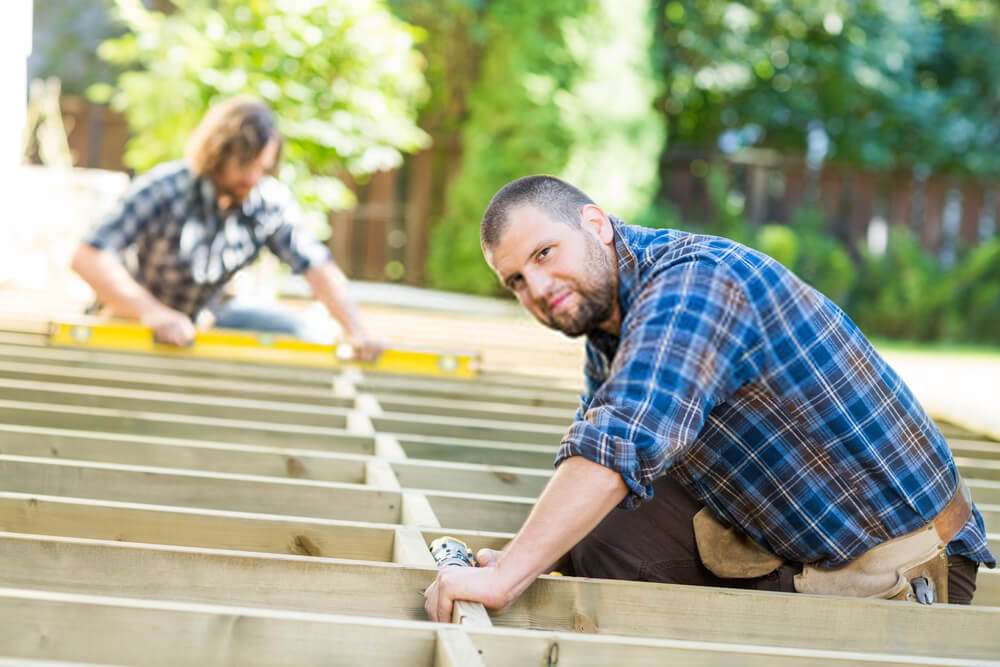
(656, 543)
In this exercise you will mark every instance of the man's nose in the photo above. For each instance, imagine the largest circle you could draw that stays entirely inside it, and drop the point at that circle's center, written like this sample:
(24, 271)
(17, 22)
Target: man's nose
(539, 284)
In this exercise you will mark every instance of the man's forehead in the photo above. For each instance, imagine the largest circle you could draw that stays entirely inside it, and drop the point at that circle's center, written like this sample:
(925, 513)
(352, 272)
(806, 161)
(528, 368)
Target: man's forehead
(524, 227)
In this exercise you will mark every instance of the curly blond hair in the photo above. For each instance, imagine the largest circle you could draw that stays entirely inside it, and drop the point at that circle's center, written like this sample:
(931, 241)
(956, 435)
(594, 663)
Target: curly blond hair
(239, 128)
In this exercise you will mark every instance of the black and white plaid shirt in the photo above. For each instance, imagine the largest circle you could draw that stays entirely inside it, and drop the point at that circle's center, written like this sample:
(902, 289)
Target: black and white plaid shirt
(178, 244)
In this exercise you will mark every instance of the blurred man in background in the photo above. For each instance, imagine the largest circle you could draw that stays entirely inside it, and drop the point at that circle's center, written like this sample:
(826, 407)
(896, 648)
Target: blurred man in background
(187, 227)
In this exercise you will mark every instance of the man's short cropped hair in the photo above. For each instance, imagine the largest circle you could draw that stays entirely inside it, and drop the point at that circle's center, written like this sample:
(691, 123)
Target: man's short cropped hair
(239, 128)
(556, 197)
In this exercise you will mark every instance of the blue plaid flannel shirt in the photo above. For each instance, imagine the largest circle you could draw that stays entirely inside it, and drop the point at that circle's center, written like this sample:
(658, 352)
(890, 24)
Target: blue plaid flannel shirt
(177, 243)
(764, 400)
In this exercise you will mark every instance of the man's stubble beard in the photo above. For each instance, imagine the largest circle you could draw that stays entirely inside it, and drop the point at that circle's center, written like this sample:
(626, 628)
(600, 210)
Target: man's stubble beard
(596, 297)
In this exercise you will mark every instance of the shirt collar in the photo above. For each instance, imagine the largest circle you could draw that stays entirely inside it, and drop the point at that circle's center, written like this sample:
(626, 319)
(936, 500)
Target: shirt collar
(210, 198)
(628, 265)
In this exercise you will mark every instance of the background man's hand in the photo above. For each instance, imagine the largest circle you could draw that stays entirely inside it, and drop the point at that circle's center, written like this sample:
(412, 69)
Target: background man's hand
(170, 326)
(366, 347)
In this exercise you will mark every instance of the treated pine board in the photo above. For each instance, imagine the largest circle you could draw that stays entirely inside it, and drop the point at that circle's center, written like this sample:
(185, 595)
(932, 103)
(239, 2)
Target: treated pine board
(984, 491)
(61, 625)
(417, 511)
(477, 429)
(482, 386)
(90, 396)
(978, 468)
(499, 513)
(454, 407)
(471, 478)
(213, 529)
(555, 603)
(987, 587)
(409, 547)
(191, 488)
(454, 648)
(991, 516)
(485, 453)
(181, 453)
(268, 391)
(269, 461)
(379, 474)
(183, 426)
(138, 362)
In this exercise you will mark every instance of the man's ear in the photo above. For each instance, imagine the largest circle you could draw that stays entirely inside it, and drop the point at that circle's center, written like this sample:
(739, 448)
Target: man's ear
(597, 221)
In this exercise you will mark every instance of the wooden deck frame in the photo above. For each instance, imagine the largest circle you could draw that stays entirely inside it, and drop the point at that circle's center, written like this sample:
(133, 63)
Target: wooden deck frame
(398, 442)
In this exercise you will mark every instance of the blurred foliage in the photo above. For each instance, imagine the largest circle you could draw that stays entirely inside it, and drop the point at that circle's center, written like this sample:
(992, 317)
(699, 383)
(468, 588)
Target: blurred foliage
(552, 95)
(65, 36)
(341, 75)
(907, 82)
(902, 293)
(514, 127)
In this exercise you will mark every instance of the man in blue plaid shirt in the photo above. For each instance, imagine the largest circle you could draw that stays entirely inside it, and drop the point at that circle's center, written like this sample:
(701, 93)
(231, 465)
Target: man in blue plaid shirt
(187, 227)
(750, 434)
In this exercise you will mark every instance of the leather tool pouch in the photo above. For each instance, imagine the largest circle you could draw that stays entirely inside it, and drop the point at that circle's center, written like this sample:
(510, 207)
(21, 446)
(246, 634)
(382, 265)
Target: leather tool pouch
(729, 553)
(886, 571)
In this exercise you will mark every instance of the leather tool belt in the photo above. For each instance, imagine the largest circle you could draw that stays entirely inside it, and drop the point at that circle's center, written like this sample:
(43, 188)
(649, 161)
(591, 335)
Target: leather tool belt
(910, 567)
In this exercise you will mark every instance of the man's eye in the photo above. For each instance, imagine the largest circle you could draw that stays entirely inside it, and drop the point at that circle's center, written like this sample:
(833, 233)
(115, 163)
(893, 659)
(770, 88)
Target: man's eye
(544, 252)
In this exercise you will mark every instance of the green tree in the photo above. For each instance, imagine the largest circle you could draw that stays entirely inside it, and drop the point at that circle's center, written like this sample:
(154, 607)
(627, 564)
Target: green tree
(514, 127)
(341, 75)
(892, 84)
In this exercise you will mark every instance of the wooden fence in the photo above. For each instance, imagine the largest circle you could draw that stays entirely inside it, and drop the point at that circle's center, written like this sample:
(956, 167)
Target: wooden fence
(944, 211)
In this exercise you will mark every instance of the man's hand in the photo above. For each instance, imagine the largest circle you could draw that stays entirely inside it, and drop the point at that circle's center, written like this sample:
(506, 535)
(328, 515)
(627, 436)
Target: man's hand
(170, 326)
(366, 348)
(474, 584)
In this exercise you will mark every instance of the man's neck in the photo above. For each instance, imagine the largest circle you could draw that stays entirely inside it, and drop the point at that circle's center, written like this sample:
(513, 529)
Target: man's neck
(613, 324)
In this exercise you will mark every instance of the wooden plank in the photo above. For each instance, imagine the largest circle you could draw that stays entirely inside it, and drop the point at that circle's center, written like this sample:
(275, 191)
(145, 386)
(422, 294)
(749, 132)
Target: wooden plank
(991, 516)
(455, 649)
(269, 391)
(180, 453)
(417, 511)
(978, 468)
(214, 529)
(556, 603)
(409, 548)
(182, 426)
(380, 474)
(471, 478)
(172, 403)
(480, 429)
(466, 409)
(524, 390)
(984, 491)
(479, 511)
(487, 453)
(987, 587)
(61, 626)
(163, 486)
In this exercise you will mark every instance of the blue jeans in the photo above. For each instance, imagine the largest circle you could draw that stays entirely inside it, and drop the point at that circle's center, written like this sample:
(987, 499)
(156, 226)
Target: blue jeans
(272, 319)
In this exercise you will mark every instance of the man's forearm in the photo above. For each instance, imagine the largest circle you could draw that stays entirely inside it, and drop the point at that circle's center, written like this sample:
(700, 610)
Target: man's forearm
(113, 284)
(329, 286)
(578, 496)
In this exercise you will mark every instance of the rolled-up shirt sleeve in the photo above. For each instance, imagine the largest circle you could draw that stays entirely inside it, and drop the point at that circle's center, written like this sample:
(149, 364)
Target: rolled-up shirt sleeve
(686, 345)
(290, 241)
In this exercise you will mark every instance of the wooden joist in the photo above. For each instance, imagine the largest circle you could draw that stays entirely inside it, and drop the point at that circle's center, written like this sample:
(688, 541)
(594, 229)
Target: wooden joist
(62, 626)
(552, 603)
